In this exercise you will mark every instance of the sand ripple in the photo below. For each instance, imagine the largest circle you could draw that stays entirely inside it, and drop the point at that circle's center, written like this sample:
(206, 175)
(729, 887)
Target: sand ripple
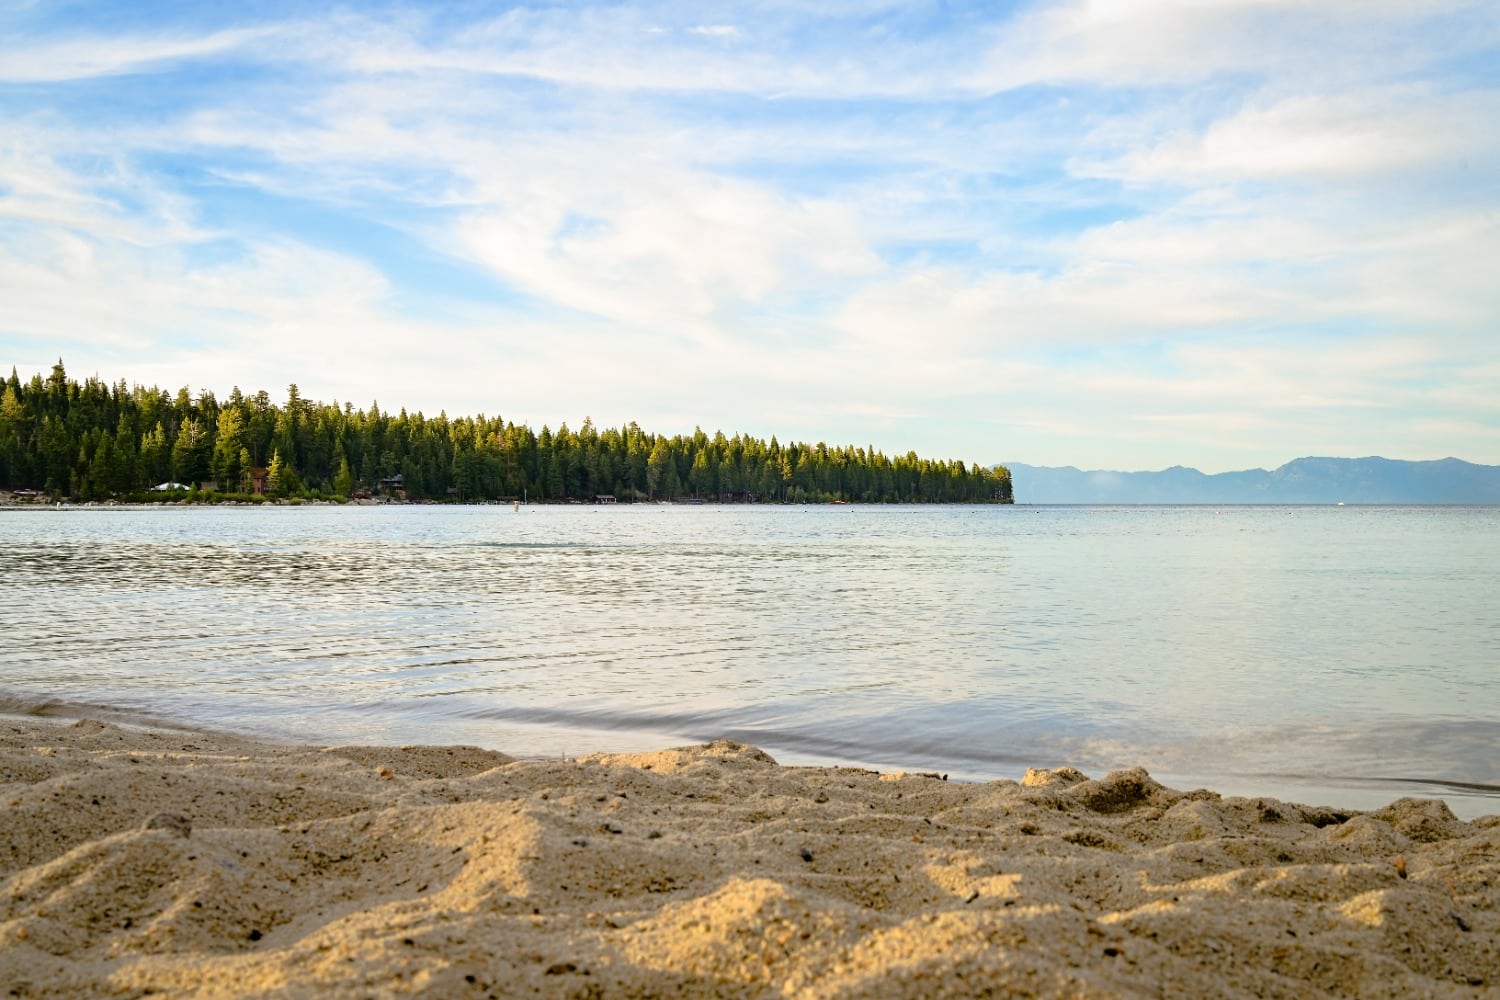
(708, 870)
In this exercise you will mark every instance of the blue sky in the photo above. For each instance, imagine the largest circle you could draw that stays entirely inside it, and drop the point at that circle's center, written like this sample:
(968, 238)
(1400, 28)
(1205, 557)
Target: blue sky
(1108, 234)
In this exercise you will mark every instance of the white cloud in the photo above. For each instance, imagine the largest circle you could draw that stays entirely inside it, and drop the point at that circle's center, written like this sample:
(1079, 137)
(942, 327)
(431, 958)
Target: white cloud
(1380, 132)
(1156, 42)
(649, 245)
(38, 193)
(1166, 277)
(602, 216)
(77, 59)
(630, 48)
(1243, 402)
(716, 30)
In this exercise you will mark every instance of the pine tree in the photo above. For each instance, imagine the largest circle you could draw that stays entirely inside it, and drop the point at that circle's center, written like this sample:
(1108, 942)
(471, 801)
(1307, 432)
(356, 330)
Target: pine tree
(276, 476)
(343, 480)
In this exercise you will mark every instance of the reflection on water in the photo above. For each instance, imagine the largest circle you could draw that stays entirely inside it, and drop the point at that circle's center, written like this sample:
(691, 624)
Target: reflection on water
(1316, 652)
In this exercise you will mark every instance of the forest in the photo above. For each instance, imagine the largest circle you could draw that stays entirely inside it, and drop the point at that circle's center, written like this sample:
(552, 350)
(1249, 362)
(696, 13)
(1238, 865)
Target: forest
(94, 441)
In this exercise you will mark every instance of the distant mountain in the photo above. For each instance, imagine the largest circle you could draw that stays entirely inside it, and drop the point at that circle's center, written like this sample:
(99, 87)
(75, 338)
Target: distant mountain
(1305, 480)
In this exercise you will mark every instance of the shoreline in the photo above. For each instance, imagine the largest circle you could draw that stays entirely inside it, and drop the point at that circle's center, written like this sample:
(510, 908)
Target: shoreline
(188, 862)
(549, 737)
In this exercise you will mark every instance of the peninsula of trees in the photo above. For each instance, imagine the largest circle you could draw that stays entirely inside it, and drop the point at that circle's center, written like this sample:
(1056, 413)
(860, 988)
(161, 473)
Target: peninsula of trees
(97, 441)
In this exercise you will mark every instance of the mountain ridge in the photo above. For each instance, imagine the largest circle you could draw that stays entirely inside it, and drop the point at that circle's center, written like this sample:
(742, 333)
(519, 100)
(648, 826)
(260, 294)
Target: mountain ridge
(1312, 479)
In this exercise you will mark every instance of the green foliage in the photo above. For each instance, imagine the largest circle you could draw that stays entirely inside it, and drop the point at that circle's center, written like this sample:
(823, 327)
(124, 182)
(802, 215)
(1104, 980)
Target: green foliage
(276, 477)
(343, 480)
(95, 441)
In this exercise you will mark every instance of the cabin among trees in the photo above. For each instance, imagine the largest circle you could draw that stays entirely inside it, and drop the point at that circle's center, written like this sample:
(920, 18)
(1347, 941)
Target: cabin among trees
(95, 440)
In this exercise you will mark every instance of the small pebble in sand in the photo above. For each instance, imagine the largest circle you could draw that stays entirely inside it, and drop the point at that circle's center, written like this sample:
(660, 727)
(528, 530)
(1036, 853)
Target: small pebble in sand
(173, 822)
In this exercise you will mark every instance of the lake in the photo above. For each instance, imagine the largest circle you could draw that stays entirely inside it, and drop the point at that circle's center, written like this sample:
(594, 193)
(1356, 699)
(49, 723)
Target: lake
(1334, 655)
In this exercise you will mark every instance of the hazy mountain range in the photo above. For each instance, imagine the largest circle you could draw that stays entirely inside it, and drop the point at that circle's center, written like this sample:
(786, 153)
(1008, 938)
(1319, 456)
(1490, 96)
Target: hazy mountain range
(1305, 480)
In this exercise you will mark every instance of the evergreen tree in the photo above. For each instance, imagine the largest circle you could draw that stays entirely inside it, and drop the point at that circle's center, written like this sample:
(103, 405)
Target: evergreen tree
(276, 476)
(229, 445)
(191, 453)
(656, 468)
(343, 480)
(153, 457)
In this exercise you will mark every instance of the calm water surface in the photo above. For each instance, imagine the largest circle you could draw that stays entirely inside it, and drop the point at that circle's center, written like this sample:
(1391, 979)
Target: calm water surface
(1344, 655)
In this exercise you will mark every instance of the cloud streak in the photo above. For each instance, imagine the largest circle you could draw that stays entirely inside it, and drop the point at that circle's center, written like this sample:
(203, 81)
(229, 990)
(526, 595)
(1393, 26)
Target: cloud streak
(85, 58)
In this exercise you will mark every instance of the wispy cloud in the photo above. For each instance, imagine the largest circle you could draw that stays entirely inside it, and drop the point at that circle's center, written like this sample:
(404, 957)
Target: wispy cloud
(1378, 133)
(1281, 43)
(715, 30)
(85, 58)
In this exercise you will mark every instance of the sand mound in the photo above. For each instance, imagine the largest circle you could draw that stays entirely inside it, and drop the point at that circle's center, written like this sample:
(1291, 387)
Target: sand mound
(136, 862)
(423, 761)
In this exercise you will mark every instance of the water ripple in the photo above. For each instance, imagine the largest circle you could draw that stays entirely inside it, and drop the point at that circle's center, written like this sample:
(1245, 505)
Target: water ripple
(1247, 646)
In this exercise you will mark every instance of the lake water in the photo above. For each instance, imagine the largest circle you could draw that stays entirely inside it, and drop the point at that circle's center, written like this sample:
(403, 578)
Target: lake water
(1339, 655)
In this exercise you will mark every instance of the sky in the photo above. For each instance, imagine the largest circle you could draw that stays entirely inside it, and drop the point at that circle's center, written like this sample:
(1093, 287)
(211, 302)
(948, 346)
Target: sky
(1123, 234)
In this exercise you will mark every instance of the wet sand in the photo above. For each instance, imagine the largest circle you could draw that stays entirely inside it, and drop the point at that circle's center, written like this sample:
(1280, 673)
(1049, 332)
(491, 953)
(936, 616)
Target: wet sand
(166, 862)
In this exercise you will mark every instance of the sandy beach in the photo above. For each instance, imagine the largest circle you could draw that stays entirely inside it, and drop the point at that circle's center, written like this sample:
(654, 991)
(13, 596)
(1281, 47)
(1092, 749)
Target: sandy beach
(140, 862)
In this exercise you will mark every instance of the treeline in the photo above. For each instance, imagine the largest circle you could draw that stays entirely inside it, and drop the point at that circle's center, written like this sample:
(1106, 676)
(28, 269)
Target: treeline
(95, 441)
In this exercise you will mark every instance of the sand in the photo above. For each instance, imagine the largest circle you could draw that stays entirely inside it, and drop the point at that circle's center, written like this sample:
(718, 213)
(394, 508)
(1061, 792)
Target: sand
(136, 862)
